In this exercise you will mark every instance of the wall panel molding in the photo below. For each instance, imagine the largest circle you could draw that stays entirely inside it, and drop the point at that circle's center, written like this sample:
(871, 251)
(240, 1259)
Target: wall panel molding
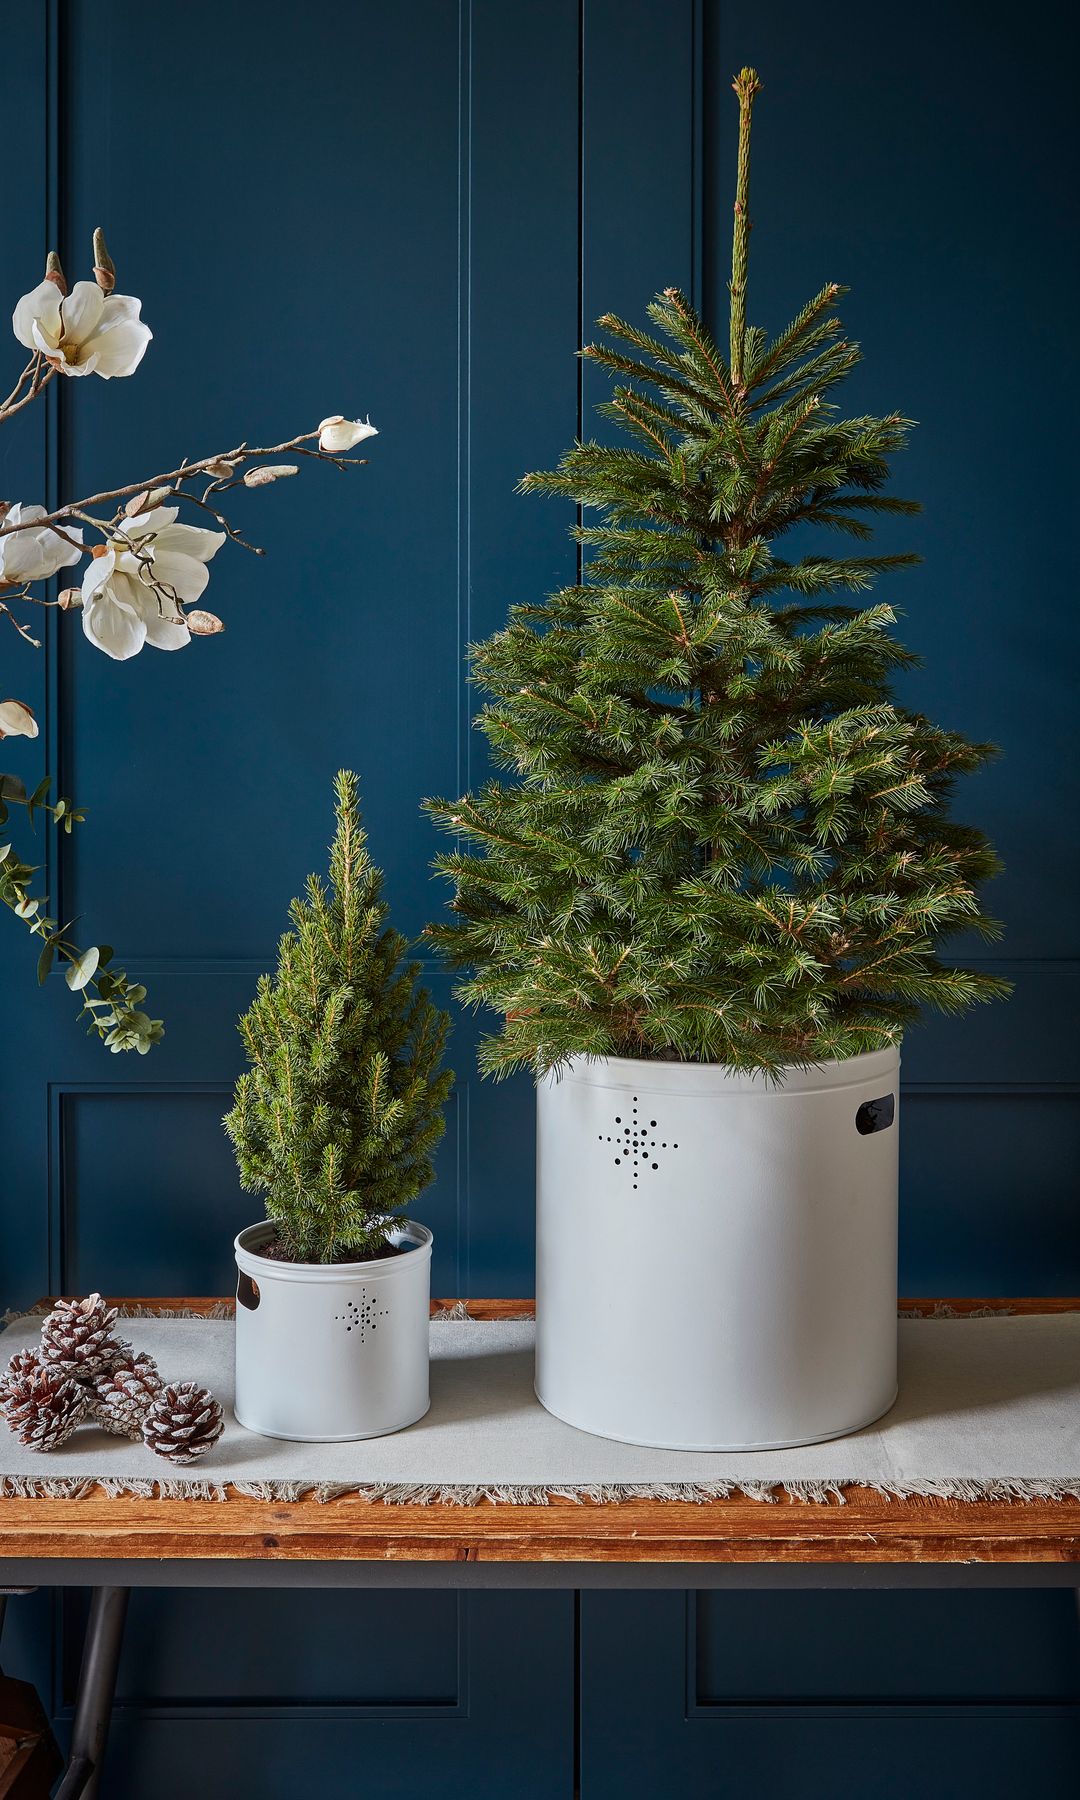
(62, 1096)
(176, 1615)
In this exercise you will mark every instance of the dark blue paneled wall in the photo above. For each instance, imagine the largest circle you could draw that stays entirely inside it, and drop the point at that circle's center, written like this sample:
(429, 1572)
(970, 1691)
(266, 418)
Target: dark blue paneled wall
(419, 212)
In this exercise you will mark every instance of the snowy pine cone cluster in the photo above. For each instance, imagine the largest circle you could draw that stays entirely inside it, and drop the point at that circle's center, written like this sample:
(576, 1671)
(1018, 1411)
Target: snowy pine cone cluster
(83, 1373)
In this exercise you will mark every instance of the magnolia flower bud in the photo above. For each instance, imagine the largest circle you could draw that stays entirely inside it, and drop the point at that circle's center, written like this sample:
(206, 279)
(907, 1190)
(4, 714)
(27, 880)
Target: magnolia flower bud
(203, 624)
(104, 267)
(338, 434)
(16, 720)
(267, 472)
(85, 332)
(145, 501)
(69, 597)
(54, 273)
(220, 467)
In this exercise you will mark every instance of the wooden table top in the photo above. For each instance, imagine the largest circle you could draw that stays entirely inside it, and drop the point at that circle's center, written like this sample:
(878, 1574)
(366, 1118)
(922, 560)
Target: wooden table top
(865, 1528)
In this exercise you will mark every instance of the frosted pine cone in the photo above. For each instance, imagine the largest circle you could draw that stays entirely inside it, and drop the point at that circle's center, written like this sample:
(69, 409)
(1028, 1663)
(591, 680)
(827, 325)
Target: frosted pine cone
(183, 1422)
(22, 1364)
(77, 1337)
(124, 1394)
(43, 1405)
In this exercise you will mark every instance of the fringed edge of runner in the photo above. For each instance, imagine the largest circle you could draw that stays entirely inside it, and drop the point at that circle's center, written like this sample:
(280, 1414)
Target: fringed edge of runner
(221, 1309)
(967, 1490)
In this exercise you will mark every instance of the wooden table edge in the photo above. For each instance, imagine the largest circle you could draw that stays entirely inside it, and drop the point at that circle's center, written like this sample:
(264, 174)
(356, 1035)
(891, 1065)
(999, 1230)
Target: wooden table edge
(865, 1527)
(509, 1308)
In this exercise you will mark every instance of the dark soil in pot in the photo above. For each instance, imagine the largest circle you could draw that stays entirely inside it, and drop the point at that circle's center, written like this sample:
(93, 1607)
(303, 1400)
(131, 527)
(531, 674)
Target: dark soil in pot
(276, 1252)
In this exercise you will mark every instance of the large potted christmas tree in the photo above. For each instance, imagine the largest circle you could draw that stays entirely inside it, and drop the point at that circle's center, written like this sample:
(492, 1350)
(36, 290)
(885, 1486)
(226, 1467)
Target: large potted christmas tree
(334, 1122)
(713, 892)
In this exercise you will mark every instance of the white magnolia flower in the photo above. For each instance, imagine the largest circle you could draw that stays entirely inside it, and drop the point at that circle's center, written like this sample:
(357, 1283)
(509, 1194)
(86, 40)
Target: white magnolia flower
(338, 434)
(84, 332)
(137, 584)
(16, 720)
(35, 555)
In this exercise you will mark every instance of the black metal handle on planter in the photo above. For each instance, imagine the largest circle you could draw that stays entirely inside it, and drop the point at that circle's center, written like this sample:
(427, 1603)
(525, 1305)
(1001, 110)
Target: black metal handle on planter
(247, 1291)
(875, 1115)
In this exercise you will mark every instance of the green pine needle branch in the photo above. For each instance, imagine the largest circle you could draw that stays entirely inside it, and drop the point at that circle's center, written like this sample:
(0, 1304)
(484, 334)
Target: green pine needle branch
(718, 836)
(337, 1117)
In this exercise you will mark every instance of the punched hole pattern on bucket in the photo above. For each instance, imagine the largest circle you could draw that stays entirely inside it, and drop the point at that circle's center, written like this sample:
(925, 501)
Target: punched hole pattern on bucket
(361, 1316)
(634, 1144)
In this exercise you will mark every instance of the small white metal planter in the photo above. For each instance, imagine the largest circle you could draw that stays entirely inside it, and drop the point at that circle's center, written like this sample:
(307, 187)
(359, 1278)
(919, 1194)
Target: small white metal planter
(716, 1257)
(328, 1351)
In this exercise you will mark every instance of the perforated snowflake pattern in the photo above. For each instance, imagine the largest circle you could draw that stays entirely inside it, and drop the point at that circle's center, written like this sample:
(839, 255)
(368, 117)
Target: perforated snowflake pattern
(635, 1145)
(361, 1316)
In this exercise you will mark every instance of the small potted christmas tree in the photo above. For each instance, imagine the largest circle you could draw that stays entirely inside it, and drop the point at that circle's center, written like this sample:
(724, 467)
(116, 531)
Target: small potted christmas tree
(335, 1123)
(713, 891)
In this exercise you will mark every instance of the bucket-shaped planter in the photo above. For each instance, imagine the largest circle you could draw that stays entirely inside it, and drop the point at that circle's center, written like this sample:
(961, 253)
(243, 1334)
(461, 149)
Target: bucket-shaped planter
(327, 1351)
(716, 1256)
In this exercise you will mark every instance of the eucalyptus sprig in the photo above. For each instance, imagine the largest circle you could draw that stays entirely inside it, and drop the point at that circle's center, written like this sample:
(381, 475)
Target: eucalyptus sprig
(111, 1003)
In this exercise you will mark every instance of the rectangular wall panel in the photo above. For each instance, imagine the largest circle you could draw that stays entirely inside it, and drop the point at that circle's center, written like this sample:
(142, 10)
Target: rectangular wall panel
(304, 262)
(194, 1648)
(989, 1192)
(507, 1730)
(648, 1733)
(959, 1647)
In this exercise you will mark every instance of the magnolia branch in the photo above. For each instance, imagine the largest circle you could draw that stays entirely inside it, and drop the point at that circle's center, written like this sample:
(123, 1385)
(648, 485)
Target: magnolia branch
(223, 468)
(20, 384)
(23, 630)
(38, 386)
(144, 573)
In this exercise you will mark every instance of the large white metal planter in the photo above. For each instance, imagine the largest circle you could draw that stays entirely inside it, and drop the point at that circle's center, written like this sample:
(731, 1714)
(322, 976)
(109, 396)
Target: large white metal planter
(716, 1257)
(328, 1351)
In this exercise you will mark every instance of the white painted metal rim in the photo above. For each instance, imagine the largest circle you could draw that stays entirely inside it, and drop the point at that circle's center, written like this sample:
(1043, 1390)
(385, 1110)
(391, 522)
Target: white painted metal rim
(712, 1079)
(795, 1443)
(377, 1269)
(341, 1437)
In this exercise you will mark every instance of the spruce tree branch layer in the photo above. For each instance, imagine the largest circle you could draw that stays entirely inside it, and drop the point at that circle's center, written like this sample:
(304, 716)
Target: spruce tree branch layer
(724, 838)
(337, 1117)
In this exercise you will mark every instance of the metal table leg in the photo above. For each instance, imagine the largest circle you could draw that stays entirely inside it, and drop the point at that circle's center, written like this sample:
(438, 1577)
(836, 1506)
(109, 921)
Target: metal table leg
(97, 1683)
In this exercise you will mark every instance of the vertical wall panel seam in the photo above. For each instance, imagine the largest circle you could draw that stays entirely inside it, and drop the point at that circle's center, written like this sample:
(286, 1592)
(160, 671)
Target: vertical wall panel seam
(707, 183)
(52, 151)
(53, 859)
(465, 1625)
(52, 155)
(462, 1251)
(691, 1683)
(54, 1278)
(580, 322)
(697, 162)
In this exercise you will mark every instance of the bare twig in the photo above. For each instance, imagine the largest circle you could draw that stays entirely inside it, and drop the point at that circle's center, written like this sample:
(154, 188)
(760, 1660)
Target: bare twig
(11, 407)
(18, 624)
(23, 378)
(229, 530)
